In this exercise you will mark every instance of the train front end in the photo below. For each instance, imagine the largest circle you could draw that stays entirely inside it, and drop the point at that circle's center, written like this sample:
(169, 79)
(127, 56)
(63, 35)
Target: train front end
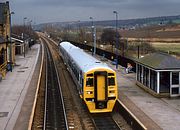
(100, 90)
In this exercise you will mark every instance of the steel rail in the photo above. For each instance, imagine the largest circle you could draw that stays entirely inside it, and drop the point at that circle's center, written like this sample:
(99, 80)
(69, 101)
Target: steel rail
(105, 122)
(60, 98)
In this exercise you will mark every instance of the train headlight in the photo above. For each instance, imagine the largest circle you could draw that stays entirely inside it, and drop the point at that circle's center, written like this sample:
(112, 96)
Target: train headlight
(89, 92)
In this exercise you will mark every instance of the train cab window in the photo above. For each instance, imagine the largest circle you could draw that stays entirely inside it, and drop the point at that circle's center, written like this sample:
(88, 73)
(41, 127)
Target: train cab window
(111, 81)
(89, 82)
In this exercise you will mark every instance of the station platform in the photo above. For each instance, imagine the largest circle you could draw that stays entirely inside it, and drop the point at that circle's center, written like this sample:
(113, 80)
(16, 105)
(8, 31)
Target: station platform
(154, 113)
(14, 87)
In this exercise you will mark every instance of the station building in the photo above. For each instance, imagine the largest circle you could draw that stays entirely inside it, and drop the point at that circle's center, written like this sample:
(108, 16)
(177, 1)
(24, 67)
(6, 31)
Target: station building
(159, 74)
(7, 48)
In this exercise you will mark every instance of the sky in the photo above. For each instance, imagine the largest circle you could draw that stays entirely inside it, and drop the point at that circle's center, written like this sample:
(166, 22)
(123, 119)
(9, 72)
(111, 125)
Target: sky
(43, 11)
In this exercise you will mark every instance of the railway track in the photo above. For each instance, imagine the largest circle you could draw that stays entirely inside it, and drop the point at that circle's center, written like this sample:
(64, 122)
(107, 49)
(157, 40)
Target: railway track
(76, 112)
(77, 116)
(86, 120)
(104, 122)
(54, 112)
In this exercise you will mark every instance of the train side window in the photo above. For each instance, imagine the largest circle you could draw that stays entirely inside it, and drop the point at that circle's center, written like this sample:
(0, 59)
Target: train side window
(89, 82)
(111, 81)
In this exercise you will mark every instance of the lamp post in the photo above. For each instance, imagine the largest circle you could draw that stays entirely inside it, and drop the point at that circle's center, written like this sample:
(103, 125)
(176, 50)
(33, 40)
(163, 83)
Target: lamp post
(10, 40)
(92, 32)
(78, 31)
(116, 13)
(93, 37)
(24, 19)
(29, 26)
(29, 23)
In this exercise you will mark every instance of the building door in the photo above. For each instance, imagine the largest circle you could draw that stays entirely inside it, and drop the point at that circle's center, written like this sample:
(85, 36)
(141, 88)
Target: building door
(2, 56)
(175, 84)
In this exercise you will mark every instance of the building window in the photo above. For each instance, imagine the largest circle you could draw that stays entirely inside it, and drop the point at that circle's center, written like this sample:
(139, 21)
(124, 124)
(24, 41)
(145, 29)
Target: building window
(138, 73)
(175, 78)
(175, 90)
(146, 76)
(153, 81)
(164, 82)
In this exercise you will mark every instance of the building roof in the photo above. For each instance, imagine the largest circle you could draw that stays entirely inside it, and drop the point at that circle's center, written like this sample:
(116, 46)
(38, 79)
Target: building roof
(160, 61)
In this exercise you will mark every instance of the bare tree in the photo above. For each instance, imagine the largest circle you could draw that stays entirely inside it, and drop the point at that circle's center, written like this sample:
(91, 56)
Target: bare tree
(26, 30)
(109, 37)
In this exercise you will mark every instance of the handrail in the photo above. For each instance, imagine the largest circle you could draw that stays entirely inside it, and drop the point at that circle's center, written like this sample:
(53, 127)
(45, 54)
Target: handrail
(3, 66)
(3, 69)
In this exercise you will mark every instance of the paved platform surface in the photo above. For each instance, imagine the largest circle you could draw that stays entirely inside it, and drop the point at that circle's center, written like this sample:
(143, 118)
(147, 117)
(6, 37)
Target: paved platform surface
(155, 113)
(14, 87)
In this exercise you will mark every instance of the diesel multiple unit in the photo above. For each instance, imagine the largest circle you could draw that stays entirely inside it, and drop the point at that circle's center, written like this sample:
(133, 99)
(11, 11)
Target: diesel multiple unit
(96, 82)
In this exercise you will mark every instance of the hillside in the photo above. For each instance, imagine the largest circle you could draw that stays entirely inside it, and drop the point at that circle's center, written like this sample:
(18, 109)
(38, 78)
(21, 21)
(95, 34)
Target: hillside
(129, 23)
(162, 32)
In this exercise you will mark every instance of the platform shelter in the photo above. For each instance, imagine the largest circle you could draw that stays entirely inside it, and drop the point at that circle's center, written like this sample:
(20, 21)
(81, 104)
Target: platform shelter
(159, 74)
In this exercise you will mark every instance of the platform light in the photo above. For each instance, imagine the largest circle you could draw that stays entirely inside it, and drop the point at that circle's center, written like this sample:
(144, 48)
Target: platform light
(116, 13)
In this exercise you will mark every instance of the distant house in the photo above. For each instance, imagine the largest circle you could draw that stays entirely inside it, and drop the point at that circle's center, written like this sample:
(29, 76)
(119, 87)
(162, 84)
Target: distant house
(159, 74)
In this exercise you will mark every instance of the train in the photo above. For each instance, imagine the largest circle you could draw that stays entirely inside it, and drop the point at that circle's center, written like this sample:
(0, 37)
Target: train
(96, 82)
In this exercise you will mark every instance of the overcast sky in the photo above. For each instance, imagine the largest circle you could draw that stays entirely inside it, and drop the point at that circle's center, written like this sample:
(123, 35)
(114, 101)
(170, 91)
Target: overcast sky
(42, 11)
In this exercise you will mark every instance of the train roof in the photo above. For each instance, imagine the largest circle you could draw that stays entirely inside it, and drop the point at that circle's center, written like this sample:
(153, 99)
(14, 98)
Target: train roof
(85, 61)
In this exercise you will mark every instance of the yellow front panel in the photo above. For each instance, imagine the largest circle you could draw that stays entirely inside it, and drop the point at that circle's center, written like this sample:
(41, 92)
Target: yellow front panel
(100, 87)
(90, 93)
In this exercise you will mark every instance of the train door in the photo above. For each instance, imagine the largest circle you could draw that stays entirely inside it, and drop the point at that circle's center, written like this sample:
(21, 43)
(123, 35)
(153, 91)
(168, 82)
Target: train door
(100, 87)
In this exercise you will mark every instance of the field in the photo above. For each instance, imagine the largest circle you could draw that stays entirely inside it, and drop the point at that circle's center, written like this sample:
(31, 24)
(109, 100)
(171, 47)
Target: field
(172, 47)
(163, 38)
(168, 31)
